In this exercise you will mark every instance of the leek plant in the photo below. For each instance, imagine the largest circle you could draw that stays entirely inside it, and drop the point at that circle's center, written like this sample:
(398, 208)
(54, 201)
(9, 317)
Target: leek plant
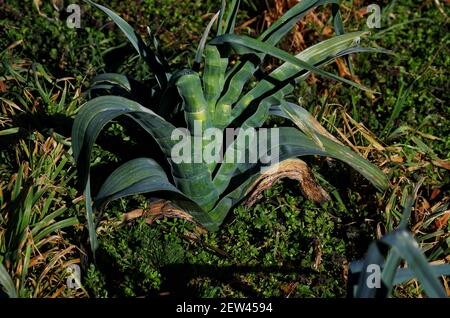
(225, 87)
(376, 275)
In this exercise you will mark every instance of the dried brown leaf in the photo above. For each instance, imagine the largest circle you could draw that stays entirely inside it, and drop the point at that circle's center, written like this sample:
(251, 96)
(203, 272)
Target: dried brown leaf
(295, 169)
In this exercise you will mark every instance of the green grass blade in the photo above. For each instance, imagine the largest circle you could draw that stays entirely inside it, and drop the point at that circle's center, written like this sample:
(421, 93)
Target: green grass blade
(7, 282)
(139, 45)
(113, 79)
(9, 131)
(339, 28)
(220, 21)
(231, 16)
(398, 107)
(284, 24)
(201, 46)
(25, 267)
(247, 45)
(90, 218)
(46, 220)
(17, 184)
(55, 227)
